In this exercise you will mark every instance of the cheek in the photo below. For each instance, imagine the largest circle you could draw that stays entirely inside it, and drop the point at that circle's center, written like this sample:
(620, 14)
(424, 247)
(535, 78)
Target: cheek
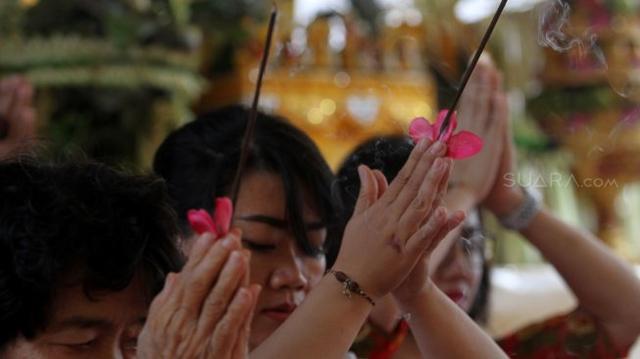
(261, 266)
(476, 278)
(22, 348)
(314, 269)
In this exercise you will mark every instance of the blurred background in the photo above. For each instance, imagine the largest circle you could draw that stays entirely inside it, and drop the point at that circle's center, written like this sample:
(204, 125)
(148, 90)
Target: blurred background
(114, 76)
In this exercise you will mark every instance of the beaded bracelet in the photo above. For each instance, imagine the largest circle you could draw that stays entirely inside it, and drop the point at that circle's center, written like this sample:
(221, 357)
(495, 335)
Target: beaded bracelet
(522, 216)
(350, 286)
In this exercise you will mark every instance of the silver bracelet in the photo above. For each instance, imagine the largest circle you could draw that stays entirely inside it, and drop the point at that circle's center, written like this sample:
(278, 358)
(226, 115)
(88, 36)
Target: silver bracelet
(523, 215)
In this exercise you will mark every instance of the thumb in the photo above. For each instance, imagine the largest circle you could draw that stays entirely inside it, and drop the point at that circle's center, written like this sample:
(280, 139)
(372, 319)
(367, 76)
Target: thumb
(381, 182)
(368, 190)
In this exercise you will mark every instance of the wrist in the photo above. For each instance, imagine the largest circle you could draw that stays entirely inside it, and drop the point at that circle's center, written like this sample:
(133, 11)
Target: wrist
(353, 285)
(507, 202)
(520, 218)
(409, 303)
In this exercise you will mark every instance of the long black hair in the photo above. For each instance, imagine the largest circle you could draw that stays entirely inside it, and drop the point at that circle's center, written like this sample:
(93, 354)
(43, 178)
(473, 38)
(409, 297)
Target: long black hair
(388, 154)
(200, 159)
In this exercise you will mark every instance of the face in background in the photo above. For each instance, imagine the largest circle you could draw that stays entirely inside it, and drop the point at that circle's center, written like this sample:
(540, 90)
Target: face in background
(460, 273)
(285, 272)
(106, 326)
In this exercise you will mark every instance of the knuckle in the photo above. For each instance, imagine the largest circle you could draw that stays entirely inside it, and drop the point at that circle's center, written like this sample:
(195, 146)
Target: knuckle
(198, 285)
(419, 203)
(215, 305)
(225, 331)
(404, 179)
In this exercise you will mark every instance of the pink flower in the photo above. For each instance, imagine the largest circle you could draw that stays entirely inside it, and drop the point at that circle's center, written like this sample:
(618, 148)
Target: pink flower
(461, 145)
(201, 221)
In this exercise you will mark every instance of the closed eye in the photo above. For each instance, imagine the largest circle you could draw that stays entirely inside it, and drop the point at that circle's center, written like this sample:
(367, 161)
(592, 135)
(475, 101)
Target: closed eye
(80, 346)
(257, 247)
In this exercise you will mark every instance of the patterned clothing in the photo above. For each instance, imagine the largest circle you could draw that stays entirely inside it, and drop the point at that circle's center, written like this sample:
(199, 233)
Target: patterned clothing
(573, 335)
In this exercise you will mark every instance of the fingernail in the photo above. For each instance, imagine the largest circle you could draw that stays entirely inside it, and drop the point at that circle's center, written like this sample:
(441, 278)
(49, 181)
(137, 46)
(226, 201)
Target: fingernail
(228, 242)
(256, 289)
(171, 277)
(236, 232)
(437, 164)
(361, 173)
(423, 144)
(442, 213)
(247, 254)
(243, 296)
(236, 258)
(204, 240)
(437, 147)
(444, 164)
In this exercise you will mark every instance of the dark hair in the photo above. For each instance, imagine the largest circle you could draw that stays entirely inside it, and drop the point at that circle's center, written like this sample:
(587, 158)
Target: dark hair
(388, 154)
(78, 222)
(200, 159)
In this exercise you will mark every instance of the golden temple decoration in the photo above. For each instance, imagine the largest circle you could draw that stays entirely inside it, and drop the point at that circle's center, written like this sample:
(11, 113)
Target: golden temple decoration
(339, 97)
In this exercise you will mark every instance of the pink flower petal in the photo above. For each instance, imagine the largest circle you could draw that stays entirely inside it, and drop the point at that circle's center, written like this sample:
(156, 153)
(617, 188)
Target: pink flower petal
(464, 144)
(222, 214)
(421, 128)
(452, 124)
(201, 221)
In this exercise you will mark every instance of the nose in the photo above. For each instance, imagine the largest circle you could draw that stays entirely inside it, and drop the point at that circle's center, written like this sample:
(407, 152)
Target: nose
(290, 273)
(460, 262)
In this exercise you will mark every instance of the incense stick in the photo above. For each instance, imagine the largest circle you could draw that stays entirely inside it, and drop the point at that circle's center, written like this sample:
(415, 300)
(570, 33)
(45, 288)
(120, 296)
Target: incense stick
(472, 65)
(253, 114)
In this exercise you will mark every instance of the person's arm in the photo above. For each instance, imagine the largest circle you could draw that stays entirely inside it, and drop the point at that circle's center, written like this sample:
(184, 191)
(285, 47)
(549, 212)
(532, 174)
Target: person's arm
(442, 330)
(438, 326)
(390, 229)
(604, 285)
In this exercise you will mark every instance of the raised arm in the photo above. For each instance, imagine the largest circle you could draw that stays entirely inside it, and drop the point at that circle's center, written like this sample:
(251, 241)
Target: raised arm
(441, 329)
(604, 285)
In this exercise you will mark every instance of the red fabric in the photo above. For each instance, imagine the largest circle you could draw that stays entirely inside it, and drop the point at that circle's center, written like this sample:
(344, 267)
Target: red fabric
(574, 335)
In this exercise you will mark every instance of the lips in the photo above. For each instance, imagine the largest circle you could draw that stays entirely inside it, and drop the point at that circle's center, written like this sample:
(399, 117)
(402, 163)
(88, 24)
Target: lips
(280, 312)
(457, 296)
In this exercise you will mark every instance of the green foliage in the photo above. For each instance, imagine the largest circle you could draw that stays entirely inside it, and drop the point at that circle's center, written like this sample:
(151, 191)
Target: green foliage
(102, 66)
(106, 123)
(118, 21)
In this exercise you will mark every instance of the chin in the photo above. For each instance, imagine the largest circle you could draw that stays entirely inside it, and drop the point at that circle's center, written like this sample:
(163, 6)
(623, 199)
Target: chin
(261, 329)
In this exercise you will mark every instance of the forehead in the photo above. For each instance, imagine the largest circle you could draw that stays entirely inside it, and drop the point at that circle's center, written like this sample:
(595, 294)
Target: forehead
(117, 308)
(263, 193)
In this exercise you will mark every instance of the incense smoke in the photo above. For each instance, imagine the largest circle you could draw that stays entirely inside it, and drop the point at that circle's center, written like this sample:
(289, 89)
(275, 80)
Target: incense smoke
(554, 31)
(552, 27)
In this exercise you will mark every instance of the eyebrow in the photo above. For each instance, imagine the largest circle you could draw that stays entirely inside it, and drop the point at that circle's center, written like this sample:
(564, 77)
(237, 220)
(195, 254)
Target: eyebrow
(82, 322)
(280, 223)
